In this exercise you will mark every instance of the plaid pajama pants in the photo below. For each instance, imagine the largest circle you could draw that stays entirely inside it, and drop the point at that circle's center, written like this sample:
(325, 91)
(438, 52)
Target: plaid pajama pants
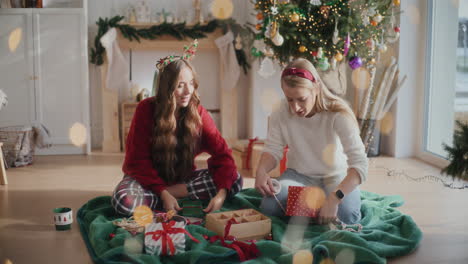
(129, 194)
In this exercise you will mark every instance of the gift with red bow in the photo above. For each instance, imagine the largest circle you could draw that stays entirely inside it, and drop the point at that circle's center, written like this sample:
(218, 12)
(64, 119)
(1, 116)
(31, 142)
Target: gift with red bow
(304, 201)
(247, 153)
(166, 238)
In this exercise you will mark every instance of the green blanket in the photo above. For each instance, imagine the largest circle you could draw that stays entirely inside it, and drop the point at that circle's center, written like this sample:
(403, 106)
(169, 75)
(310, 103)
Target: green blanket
(386, 233)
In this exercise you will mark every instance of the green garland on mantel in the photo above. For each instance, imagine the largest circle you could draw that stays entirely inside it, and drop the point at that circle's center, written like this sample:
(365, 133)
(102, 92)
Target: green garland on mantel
(179, 31)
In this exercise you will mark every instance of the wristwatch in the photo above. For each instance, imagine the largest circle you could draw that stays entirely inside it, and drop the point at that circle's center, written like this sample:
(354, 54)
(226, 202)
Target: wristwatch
(339, 194)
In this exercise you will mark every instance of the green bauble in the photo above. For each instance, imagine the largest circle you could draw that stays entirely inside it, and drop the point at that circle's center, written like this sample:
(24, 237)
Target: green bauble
(255, 52)
(323, 64)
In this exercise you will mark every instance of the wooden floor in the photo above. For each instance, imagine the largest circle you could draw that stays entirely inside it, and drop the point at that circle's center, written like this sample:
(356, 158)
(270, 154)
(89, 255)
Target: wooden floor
(27, 232)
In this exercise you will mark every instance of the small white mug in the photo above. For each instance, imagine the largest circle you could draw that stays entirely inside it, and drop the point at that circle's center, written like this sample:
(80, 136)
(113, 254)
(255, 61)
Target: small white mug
(63, 218)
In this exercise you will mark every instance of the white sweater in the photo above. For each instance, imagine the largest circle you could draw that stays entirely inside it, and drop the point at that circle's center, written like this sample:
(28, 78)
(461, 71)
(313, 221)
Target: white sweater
(324, 145)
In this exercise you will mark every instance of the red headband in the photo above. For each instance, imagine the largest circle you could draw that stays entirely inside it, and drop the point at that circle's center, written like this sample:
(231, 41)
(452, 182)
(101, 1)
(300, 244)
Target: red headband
(299, 73)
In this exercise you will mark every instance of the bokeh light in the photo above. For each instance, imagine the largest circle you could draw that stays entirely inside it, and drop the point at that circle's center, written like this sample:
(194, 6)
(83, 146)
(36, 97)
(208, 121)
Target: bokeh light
(303, 257)
(143, 215)
(133, 246)
(386, 124)
(270, 100)
(361, 78)
(328, 154)
(15, 39)
(78, 134)
(222, 9)
(314, 197)
(294, 235)
(345, 256)
(327, 261)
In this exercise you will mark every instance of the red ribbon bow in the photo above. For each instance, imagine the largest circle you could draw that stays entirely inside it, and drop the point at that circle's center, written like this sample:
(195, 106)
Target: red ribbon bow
(165, 235)
(244, 251)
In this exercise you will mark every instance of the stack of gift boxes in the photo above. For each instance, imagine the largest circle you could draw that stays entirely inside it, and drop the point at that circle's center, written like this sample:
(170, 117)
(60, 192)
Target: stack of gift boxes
(247, 153)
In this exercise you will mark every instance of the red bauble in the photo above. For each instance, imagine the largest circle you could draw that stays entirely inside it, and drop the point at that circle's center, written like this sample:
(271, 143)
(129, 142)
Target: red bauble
(111, 235)
(397, 29)
(314, 53)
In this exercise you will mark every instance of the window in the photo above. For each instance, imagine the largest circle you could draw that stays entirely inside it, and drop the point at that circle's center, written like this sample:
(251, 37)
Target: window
(446, 94)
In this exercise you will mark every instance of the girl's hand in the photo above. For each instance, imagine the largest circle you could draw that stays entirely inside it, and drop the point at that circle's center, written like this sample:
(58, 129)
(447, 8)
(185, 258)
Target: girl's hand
(169, 201)
(329, 210)
(216, 202)
(263, 183)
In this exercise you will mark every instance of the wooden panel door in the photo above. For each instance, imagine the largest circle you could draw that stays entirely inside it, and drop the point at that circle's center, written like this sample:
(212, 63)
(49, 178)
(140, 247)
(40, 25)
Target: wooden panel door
(17, 67)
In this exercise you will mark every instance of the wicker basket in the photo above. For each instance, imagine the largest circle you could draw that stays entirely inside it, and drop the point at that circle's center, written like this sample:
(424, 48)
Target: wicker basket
(18, 145)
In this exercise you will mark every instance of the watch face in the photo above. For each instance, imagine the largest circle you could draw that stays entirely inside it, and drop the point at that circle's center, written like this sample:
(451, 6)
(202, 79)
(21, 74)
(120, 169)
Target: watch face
(339, 194)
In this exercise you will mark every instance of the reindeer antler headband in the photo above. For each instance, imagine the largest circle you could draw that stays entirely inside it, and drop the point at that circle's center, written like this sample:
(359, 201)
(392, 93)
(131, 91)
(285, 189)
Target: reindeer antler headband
(189, 53)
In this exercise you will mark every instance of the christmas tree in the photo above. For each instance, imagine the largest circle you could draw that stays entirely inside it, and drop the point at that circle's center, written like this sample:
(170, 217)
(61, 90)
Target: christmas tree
(458, 153)
(325, 31)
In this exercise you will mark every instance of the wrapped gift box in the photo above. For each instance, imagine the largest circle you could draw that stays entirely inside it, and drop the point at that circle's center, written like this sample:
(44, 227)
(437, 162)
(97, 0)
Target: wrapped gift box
(245, 224)
(247, 153)
(298, 205)
(165, 238)
(192, 208)
(241, 151)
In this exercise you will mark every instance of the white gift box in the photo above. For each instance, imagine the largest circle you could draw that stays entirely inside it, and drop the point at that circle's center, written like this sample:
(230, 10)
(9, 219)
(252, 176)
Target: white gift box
(171, 231)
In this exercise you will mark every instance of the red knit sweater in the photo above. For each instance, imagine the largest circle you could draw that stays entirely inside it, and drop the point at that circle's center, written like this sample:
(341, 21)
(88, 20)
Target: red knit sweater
(138, 162)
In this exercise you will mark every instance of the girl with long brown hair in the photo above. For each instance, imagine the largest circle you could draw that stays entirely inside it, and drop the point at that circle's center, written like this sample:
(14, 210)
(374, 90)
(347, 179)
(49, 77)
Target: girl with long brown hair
(168, 131)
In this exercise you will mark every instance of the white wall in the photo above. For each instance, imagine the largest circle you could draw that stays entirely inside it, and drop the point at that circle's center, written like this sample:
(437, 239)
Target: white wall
(143, 61)
(407, 111)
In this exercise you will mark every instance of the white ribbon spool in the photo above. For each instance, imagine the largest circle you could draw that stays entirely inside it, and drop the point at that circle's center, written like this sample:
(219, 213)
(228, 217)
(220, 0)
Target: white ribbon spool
(276, 186)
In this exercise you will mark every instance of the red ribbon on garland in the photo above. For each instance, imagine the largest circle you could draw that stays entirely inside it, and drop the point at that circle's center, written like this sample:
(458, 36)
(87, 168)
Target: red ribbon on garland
(244, 250)
(165, 233)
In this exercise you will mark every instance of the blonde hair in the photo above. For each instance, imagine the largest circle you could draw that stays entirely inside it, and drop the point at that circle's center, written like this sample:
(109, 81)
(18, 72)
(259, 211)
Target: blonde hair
(326, 100)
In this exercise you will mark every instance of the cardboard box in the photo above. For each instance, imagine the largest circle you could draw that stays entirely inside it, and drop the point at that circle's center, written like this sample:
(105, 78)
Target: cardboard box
(251, 224)
(256, 155)
(249, 167)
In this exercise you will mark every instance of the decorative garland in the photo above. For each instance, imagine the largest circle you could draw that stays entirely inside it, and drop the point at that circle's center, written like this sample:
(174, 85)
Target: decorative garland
(325, 32)
(179, 31)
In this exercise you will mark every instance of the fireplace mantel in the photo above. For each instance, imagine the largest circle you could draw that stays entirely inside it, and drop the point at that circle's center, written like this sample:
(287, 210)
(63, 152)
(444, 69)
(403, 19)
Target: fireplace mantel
(110, 104)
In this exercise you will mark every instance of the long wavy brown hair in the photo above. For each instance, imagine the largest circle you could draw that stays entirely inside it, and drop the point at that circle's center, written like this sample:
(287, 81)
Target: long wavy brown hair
(175, 132)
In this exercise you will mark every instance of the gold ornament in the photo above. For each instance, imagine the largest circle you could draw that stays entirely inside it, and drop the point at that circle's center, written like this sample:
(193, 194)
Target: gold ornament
(302, 48)
(295, 17)
(273, 29)
(374, 23)
(338, 56)
(372, 61)
(258, 26)
(396, 2)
